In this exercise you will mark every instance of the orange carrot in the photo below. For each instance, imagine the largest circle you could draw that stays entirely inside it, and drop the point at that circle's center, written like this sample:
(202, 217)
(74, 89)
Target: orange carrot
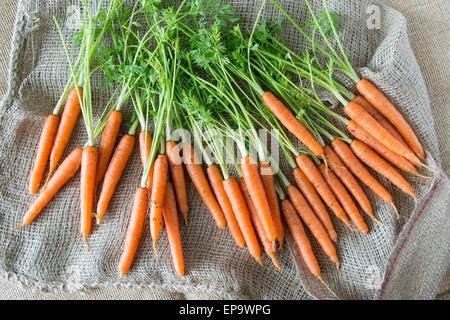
(359, 170)
(243, 217)
(382, 120)
(198, 178)
(87, 187)
(359, 133)
(298, 233)
(365, 120)
(65, 171)
(134, 230)
(313, 223)
(349, 181)
(114, 172)
(387, 109)
(145, 145)
(313, 174)
(266, 174)
(216, 181)
(107, 143)
(373, 160)
(291, 123)
(44, 148)
(67, 123)
(157, 197)
(315, 201)
(259, 198)
(267, 245)
(344, 198)
(179, 182)
(173, 230)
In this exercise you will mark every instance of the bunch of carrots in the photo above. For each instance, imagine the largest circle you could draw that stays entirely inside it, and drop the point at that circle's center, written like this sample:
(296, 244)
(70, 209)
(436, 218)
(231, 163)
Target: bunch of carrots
(180, 71)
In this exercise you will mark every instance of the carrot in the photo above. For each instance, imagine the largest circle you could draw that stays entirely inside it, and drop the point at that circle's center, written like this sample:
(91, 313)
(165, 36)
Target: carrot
(365, 120)
(67, 123)
(107, 143)
(266, 174)
(344, 198)
(216, 181)
(173, 231)
(258, 195)
(359, 133)
(298, 233)
(314, 176)
(359, 170)
(195, 171)
(87, 187)
(157, 197)
(349, 181)
(65, 171)
(114, 172)
(313, 223)
(387, 109)
(134, 230)
(243, 217)
(257, 223)
(44, 148)
(315, 202)
(179, 182)
(291, 123)
(373, 160)
(145, 144)
(382, 120)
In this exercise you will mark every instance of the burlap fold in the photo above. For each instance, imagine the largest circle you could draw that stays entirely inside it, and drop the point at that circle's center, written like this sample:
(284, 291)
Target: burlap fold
(405, 258)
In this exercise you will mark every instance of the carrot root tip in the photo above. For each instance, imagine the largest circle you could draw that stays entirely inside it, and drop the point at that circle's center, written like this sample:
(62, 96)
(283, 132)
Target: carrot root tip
(274, 246)
(216, 237)
(379, 221)
(86, 243)
(326, 286)
(429, 168)
(347, 223)
(121, 275)
(396, 211)
(19, 227)
(155, 250)
(422, 176)
(338, 266)
(276, 263)
(48, 178)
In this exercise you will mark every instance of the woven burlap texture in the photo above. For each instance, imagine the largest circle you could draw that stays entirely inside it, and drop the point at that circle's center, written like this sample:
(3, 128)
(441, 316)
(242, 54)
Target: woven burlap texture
(406, 258)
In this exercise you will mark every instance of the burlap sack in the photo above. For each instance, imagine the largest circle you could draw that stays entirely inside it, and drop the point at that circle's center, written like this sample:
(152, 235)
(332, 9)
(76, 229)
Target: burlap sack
(405, 258)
